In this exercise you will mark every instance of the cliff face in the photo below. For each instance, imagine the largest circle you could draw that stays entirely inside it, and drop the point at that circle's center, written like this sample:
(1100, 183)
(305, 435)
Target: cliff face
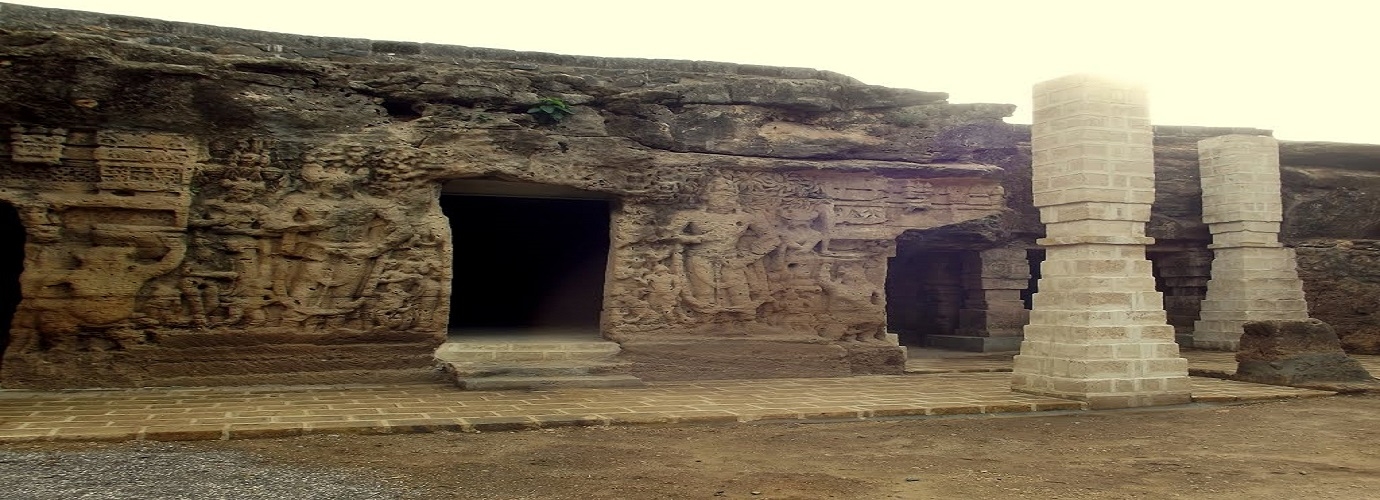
(209, 205)
(216, 206)
(1332, 215)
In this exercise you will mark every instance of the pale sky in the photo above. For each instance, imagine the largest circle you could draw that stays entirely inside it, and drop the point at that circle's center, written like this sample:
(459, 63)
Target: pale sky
(1306, 69)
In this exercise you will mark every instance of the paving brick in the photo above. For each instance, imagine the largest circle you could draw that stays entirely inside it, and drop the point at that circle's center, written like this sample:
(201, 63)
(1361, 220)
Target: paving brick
(895, 411)
(756, 416)
(361, 406)
(22, 435)
(262, 430)
(704, 417)
(270, 413)
(234, 420)
(570, 420)
(313, 419)
(347, 412)
(832, 414)
(101, 434)
(182, 432)
(953, 410)
(423, 425)
(1059, 405)
(347, 427)
(641, 418)
(1008, 407)
(111, 418)
(497, 424)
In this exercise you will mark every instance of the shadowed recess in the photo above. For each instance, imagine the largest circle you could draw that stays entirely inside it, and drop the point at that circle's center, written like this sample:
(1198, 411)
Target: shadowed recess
(527, 262)
(11, 265)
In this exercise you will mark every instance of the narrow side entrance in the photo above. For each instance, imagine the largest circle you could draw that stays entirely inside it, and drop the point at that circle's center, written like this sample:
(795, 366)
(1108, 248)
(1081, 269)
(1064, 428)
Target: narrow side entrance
(954, 289)
(925, 292)
(526, 259)
(11, 265)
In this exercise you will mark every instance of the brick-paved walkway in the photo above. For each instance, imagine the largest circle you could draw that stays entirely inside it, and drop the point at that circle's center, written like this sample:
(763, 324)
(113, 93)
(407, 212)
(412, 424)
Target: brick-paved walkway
(227, 413)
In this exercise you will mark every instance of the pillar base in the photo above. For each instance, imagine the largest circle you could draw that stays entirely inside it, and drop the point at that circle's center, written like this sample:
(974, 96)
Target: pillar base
(1184, 339)
(1217, 345)
(1115, 400)
(1109, 383)
(972, 344)
(1140, 368)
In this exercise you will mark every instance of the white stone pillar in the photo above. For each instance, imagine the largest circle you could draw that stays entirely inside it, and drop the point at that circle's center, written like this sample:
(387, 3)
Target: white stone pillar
(1097, 331)
(1254, 278)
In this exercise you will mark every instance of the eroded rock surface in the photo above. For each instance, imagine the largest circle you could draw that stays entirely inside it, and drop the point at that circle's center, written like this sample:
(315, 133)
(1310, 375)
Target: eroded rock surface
(217, 206)
(209, 205)
(1286, 352)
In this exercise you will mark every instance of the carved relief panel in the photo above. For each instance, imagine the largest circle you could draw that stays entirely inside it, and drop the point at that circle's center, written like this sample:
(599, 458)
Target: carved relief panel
(803, 253)
(105, 214)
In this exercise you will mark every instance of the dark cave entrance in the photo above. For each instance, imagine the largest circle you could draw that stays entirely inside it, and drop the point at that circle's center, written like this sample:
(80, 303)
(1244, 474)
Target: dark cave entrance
(527, 258)
(11, 265)
(925, 291)
(955, 288)
(1034, 257)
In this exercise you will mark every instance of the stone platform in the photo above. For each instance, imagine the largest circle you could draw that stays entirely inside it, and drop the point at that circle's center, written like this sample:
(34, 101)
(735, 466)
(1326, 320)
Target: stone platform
(278, 411)
(502, 360)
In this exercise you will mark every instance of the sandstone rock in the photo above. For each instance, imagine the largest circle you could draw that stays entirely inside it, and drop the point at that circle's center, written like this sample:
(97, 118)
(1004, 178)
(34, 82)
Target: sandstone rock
(220, 207)
(1364, 340)
(1342, 281)
(1294, 353)
(211, 205)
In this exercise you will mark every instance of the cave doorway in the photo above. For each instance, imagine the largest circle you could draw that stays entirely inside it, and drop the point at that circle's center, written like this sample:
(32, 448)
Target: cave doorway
(925, 293)
(11, 266)
(528, 259)
(1034, 257)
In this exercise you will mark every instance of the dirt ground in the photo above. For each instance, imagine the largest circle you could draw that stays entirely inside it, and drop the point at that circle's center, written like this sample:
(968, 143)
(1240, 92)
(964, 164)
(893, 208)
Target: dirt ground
(1313, 448)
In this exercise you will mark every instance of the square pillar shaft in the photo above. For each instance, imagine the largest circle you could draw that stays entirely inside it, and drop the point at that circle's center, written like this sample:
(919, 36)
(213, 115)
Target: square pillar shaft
(994, 321)
(1097, 330)
(1184, 274)
(1254, 278)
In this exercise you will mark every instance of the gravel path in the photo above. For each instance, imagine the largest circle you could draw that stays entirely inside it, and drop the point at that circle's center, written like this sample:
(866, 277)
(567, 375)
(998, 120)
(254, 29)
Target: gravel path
(166, 471)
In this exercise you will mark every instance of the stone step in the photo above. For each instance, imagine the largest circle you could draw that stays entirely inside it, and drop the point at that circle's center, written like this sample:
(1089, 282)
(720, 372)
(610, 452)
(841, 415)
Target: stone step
(530, 383)
(473, 352)
(530, 345)
(548, 368)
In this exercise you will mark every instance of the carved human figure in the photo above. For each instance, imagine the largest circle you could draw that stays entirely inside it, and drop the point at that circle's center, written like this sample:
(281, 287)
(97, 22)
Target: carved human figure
(801, 241)
(200, 287)
(664, 291)
(854, 303)
(715, 256)
(237, 217)
(332, 237)
(392, 308)
(427, 290)
(406, 295)
(798, 307)
(102, 288)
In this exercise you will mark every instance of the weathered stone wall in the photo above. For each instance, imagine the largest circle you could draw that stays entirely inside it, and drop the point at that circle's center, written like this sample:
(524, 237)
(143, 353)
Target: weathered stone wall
(210, 206)
(218, 206)
(1332, 217)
